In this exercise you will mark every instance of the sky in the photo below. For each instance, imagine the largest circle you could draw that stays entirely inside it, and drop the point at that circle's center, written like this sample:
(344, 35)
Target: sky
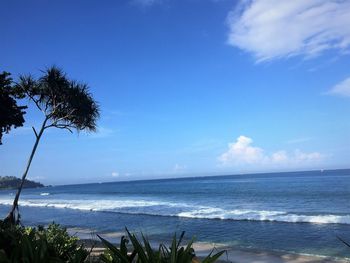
(185, 87)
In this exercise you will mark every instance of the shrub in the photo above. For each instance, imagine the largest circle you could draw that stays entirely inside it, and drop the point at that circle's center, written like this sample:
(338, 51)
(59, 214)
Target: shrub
(54, 244)
(27, 244)
(142, 251)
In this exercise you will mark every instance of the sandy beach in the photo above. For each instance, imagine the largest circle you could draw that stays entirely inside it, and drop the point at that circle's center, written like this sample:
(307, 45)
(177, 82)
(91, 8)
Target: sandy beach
(239, 255)
(233, 254)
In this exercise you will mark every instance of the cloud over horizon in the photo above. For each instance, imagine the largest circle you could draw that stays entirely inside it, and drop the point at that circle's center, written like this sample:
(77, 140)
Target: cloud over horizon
(178, 168)
(115, 174)
(271, 29)
(242, 152)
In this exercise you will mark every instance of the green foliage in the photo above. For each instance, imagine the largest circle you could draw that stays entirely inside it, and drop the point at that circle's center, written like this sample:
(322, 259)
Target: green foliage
(116, 255)
(67, 104)
(11, 115)
(34, 245)
(142, 251)
(12, 182)
(54, 244)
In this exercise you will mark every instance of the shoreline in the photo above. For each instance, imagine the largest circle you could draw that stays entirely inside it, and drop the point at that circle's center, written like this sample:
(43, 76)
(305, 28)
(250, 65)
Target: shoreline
(240, 255)
(233, 254)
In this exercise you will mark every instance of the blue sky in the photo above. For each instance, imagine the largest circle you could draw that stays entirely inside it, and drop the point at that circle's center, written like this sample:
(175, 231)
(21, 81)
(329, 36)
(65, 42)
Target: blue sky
(190, 87)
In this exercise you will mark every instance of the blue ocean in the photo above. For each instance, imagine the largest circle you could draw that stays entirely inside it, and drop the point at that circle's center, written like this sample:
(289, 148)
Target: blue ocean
(298, 212)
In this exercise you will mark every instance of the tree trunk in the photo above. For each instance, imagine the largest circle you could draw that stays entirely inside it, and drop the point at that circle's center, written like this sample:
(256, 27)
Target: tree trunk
(12, 217)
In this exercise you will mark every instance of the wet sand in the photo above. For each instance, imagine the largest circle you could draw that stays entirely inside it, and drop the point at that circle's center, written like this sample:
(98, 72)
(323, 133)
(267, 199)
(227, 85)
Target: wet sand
(239, 255)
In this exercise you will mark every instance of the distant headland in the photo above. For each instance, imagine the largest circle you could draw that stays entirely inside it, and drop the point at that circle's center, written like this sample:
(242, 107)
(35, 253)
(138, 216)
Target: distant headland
(12, 182)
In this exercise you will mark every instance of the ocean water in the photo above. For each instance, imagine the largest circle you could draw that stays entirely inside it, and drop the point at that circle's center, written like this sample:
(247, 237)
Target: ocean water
(301, 212)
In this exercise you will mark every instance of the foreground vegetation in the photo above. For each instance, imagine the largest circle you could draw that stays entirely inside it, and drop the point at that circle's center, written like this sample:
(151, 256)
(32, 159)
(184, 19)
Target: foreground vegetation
(54, 244)
(27, 244)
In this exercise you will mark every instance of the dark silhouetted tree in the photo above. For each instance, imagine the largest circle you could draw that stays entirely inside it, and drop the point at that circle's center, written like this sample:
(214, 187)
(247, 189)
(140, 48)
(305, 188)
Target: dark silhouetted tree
(11, 115)
(65, 104)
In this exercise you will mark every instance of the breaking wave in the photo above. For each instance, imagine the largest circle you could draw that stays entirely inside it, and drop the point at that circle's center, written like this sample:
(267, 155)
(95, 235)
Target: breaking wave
(263, 215)
(159, 208)
(89, 205)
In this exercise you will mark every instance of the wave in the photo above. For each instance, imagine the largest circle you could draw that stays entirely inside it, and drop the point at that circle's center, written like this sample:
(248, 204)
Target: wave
(160, 208)
(90, 205)
(44, 194)
(263, 215)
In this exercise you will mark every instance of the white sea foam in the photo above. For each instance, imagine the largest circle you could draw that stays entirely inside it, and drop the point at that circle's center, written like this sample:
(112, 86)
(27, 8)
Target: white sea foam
(263, 215)
(90, 205)
(44, 194)
(169, 209)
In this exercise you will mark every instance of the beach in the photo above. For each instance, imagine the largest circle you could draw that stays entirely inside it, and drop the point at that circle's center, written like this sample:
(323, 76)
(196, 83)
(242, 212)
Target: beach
(239, 255)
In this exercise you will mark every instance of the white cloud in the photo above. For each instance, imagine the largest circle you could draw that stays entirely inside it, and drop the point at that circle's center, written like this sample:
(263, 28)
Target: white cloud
(280, 156)
(242, 152)
(115, 174)
(342, 88)
(271, 29)
(302, 157)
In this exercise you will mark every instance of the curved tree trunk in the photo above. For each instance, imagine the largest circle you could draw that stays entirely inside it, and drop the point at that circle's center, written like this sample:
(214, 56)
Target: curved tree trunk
(13, 216)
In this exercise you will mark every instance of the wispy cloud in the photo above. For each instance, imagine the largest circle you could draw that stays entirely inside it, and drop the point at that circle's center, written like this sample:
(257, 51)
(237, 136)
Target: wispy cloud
(109, 114)
(341, 89)
(102, 132)
(271, 29)
(242, 152)
(121, 176)
(299, 140)
(146, 3)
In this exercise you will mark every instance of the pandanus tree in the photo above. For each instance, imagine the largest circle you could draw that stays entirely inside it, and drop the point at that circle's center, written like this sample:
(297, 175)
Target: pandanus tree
(65, 104)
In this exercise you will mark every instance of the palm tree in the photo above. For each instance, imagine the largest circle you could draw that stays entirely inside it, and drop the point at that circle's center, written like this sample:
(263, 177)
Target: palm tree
(65, 104)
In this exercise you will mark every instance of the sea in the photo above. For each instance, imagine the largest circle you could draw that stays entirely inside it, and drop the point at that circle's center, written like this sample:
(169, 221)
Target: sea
(294, 212)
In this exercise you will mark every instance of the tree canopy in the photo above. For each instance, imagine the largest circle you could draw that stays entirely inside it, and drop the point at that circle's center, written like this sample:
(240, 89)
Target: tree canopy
(12, 182)
(66, 104)
(11, 115)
